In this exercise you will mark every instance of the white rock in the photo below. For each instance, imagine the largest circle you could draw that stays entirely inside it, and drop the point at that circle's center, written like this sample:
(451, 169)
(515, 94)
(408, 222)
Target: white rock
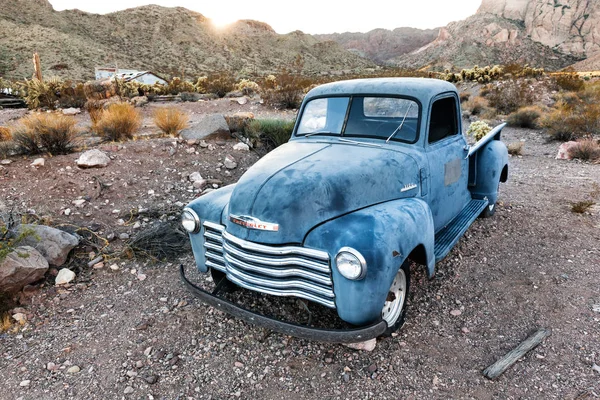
(71, 111)
(199, 184)
(38, 162)
(195, 176)
(563, 150)
(79, 202)
(73, 370)
(25, 383)
(123, 236)
(64, 276)
(67, 212)
(93, 159)
(242, 100)
(114, 267)
(128, 390)
(5, 162)
(229, 162)
(368, 345)
(241, 147)
(137, 225)
(20, 318)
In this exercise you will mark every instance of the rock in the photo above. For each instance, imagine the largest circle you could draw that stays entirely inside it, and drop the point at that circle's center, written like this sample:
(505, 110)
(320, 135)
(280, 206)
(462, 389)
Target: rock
(38, 162)
(21, 267)
(239, 121)
(229, 162)
(114, 267)
(53, 243)
(563, 150)
(455, 313)
(71, 111)
(128, 390)
(20, 318)
(64, 276)
(137, 225)
(52, 367)
(238, 364)
(368, 345)
(93, 159)
(139, 101)
(73, 370)
(199, 184)
(203, 144)
(123, 236)
(79, 202)
(209, 126)
(195, 176)
(67, 212)
(242, 100)
(151, 379)
(25, 383)
(241, 147)
(6, 162)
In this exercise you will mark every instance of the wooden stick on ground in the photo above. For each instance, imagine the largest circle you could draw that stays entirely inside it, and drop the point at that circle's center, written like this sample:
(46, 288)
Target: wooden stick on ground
(498, 368)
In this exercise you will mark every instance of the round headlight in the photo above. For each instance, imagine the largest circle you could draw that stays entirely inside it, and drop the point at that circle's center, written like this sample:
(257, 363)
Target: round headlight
(190, 220)
(351, 263)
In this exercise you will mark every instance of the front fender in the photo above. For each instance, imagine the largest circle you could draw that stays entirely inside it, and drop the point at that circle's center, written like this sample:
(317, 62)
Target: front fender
(209, 208)
(385, 235)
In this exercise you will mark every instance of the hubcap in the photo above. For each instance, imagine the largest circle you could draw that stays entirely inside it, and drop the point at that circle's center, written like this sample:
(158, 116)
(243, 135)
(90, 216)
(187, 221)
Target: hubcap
(491, 207)
(395, 299)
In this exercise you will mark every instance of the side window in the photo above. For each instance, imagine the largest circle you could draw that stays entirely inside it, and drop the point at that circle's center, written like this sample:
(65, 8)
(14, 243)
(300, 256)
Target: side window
(443, 121)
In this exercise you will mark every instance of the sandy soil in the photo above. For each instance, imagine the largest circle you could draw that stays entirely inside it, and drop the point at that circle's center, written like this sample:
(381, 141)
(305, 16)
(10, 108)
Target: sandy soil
(534, 264)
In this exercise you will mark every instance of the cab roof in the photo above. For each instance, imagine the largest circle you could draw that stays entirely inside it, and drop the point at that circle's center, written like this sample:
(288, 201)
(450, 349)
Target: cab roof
(422, 89)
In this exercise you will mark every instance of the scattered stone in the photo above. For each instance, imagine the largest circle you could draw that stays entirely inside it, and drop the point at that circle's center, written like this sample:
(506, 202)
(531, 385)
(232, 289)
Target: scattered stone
(139, 101)
(238, 364)
(110, 237)
(52, 243)
(93, 159)
(79, 202)
(241, 147)
(151, 379)
(141, 277)
(368, 345)
(71, 111)
(52, 367)
(38, 162)
(99, 265)
(21, 267)
(211, 125)
(199, 184)
(139, 364)
(229, 162)
(25, 383)
(128, 390)
(123, 236)
(195, 176)
(563, 150)
(131, 373)
(20, 318)
(5, 162)
(192, 142)
(114, 267)
(95, 260)
(203, 144)
(73, 370)
(372, 368)
(64, 276)
(137, 225)
(465, 330)
(242, 100)
(455, 313)
(67, 212)
(148, 351)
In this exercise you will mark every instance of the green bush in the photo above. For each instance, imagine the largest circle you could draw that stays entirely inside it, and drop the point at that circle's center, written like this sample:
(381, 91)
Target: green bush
(271, 133)
(478, 130)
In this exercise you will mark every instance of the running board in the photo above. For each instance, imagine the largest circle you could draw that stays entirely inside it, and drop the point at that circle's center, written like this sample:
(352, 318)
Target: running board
(447, 237)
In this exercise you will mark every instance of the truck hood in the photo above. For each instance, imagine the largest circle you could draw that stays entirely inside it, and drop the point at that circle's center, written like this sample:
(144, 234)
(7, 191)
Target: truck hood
(301, 185)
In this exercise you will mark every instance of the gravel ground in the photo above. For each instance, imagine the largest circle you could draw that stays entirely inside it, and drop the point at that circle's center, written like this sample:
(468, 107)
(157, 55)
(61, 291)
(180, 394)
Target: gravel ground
(136, 332)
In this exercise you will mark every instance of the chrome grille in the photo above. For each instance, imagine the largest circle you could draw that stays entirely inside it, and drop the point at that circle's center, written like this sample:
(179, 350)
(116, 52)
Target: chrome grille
(281, 271)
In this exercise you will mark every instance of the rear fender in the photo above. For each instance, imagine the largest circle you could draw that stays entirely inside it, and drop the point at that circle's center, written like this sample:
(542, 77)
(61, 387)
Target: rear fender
(385, 235)
(487, 168)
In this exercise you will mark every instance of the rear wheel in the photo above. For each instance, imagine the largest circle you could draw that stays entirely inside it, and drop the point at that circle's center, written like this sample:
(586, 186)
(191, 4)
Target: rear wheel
(394, 308)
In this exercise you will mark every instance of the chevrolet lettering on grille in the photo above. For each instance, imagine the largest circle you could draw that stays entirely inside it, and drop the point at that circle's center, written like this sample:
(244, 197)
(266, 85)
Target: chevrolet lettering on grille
(253, 223)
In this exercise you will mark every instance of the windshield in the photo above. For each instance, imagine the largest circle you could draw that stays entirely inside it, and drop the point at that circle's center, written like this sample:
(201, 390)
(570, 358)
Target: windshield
(365, 116)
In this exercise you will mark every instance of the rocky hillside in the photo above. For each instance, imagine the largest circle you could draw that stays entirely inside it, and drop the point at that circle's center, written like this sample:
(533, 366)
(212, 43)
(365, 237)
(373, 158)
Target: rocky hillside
(382, 45)
(172, 41)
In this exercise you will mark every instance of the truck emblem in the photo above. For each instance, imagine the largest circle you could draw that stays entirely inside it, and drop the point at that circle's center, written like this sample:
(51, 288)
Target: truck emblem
(253, 223)
(408, 187)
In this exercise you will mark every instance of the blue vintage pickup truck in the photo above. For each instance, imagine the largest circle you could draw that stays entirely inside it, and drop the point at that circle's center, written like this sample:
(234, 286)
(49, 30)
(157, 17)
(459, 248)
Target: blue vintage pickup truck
(376, 176)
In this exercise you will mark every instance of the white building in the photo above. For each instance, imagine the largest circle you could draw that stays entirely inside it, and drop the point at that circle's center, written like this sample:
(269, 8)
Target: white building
(127, 75)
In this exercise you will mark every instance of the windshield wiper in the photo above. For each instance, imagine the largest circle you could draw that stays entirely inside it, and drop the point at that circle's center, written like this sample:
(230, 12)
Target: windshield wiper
(399, 128)
(319, 133)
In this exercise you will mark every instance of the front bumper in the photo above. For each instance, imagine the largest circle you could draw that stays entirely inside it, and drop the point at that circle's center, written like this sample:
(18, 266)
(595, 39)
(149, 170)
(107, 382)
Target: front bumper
(301, 331)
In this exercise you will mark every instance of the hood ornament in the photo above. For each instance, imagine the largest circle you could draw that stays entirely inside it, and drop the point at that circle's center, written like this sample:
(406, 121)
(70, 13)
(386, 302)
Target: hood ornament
(253, 223)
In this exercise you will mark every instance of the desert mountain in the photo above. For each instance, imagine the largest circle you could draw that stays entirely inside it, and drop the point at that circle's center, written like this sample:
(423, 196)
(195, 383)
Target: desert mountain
(173, 41)
(382, 45)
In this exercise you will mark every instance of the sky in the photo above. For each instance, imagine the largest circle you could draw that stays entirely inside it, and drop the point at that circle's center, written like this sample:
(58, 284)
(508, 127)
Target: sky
(309, 16)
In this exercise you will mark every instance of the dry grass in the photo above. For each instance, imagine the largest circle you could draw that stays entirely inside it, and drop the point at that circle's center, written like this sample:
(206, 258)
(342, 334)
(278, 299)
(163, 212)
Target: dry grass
(5, 323)
(5, 134)
(586, 149)
(582, 206)
(118, 123)
(516, 148)
(525, 117)
(170, 120)
(475, 105)
(510, 96)
(566, 123)
(50, 132)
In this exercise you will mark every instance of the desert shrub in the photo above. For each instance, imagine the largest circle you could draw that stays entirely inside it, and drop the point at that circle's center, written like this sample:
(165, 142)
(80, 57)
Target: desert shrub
(71, 95)
(525, 117)
(515, 148)
(178, 85)
(100, 90)
(119, 122)
(51, 132)
(39, 94)
(129, 89)
(478, 130)
(170, 120)
(238, 123)
(581, 207)
(200, 85)
(475, 105)
(569, 80)
(6, 144)
(464, 96)
(586, 149)
(189, 96)
(247, 87)
(5, 134)
(285, 90)
(566, 123)
(510, 95)
(519, 71)
(271, 132)
(220, 84)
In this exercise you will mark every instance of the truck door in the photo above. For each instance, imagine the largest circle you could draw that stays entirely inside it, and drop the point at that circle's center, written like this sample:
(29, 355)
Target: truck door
(448, 166)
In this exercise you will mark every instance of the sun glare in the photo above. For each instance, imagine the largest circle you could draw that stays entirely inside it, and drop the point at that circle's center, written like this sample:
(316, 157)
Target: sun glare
(222, 21)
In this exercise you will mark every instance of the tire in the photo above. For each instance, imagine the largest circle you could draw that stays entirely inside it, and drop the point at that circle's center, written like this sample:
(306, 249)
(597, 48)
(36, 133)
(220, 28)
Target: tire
(219, 278)
(394, 308)
(489, 211)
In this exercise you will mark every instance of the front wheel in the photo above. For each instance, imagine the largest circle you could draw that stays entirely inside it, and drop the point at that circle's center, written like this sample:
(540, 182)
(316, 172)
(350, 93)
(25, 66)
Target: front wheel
(394, 308)
(489, 211)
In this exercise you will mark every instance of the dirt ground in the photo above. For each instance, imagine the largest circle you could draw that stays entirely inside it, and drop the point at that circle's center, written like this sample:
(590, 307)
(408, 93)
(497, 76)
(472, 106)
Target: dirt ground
(135, 332)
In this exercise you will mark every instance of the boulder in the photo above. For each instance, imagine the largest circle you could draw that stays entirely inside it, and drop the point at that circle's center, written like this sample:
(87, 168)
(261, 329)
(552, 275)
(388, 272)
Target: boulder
(93, 159)
(563, 150)
(52, 243)
(139, 101)
(211, 126)
(21, 267)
